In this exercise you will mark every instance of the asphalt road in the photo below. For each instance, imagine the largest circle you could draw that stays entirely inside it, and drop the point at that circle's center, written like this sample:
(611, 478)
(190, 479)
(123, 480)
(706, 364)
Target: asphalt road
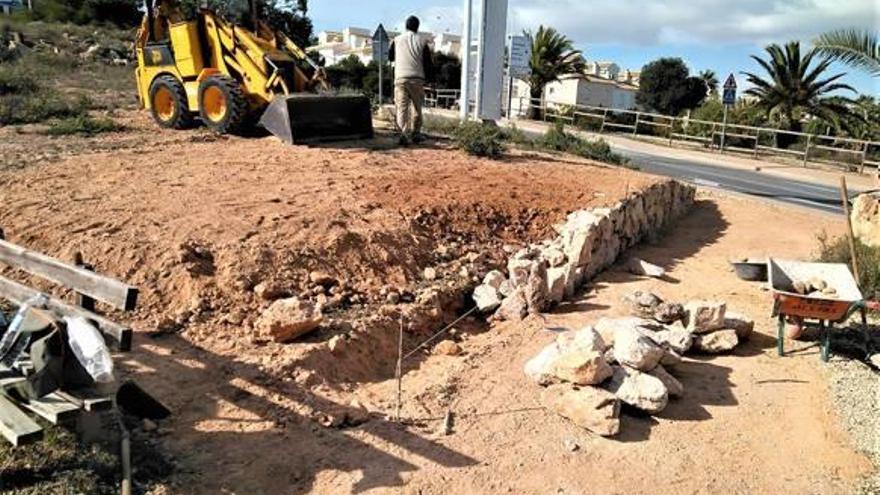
(703, 172)
(749, 182)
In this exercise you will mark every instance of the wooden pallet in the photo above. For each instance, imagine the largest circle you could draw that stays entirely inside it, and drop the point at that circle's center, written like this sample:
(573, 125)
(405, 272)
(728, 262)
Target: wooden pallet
(17, 425)
(17, 417)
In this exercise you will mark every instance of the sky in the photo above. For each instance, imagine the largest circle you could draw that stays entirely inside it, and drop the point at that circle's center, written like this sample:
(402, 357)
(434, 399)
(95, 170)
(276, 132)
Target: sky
(707, 34)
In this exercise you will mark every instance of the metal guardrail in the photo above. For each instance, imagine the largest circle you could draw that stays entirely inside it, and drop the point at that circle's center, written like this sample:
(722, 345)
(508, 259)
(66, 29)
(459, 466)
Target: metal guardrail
(442, 98)
(865, 153)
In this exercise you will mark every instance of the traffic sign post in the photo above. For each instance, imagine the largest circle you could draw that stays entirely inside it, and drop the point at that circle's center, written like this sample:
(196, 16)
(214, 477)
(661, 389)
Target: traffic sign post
(380, 54)
(519, 51)
(728, 99)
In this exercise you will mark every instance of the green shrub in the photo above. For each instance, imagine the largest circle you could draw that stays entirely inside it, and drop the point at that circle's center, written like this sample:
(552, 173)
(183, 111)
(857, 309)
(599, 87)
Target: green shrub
(30, 108)
(557, 139)
(837, 251)
(16, 81)
(479, 139)
(83, 125)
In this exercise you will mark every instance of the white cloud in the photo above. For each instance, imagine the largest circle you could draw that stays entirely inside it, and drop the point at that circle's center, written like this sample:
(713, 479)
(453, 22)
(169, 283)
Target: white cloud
(644, 22)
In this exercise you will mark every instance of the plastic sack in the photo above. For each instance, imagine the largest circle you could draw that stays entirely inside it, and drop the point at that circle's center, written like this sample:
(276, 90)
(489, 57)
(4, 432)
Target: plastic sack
(7, 342)
(89, 348)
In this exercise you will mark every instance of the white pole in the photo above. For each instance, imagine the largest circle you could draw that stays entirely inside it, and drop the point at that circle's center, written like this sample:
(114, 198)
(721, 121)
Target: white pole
(466, 61)
(481, 54)
(381, 63)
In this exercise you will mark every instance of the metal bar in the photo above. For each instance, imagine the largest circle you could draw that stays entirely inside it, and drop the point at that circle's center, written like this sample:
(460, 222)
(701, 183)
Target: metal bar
(757, 139)
(864, 157)
(625, 126)
(844, 199)
(839, 150)
(807, 150)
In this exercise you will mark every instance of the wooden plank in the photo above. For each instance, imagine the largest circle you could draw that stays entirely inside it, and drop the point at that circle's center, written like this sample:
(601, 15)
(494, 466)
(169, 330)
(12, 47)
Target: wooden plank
(9, 378)
(24, 366)
(16, 426)
(53, 408)
(88, 399)
(118, 336)
(106, 289)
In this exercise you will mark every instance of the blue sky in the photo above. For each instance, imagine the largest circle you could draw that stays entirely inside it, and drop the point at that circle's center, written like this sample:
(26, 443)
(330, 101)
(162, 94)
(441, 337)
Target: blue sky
(708, 34)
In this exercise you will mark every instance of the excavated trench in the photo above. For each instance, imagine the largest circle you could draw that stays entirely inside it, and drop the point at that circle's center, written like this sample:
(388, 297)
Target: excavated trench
(440, 264)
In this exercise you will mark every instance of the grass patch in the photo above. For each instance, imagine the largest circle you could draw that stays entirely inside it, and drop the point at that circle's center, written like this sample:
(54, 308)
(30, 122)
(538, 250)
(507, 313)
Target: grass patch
(25, 100)
(836, 250)
(60, 464)
(83, 125)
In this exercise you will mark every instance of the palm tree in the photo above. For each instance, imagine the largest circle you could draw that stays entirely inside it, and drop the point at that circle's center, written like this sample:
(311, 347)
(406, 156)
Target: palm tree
(553, 55)
(859, 49)
(793, 89)
(710, 80)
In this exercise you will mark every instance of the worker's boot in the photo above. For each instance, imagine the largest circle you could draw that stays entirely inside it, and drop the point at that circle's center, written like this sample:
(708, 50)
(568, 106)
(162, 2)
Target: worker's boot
(418, 137)
(403, 140)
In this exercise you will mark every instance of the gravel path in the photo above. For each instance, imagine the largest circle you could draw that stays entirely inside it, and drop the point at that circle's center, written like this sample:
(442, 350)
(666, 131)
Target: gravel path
(856, 391)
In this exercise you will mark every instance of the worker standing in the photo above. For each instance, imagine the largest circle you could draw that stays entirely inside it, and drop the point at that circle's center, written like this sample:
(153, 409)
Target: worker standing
(412, 64)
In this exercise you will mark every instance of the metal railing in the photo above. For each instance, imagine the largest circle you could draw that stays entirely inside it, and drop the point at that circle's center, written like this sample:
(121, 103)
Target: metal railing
(442, 98)
(715, 135)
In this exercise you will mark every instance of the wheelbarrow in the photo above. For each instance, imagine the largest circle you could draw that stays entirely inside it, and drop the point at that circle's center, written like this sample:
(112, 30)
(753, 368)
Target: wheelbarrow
(826, 310)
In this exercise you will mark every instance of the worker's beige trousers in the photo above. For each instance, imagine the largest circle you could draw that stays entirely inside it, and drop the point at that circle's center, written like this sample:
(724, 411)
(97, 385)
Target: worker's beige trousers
(409, 93)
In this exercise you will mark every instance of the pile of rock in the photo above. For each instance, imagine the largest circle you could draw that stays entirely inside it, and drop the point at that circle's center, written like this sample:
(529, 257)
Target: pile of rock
(589, 241)
(97, 46)
(590, 372)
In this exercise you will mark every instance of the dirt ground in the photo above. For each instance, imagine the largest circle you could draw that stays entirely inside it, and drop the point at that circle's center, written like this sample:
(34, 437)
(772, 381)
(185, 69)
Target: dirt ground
(198, 221)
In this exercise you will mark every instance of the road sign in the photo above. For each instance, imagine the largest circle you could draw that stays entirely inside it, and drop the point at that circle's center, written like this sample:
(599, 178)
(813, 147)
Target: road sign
(728, 96)
(380, 44)
(380, 54)
(520, 51)
(730, 83)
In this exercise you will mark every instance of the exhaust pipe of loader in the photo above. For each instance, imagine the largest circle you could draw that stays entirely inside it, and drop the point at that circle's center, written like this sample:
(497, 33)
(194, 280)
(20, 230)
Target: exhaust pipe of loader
(309, 118)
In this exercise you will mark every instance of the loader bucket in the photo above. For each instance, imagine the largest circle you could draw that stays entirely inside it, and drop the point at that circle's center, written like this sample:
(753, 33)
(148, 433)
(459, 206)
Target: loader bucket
(308, 118)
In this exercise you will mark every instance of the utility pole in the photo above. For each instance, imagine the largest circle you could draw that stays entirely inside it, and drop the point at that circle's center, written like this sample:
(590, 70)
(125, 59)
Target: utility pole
(466, 61)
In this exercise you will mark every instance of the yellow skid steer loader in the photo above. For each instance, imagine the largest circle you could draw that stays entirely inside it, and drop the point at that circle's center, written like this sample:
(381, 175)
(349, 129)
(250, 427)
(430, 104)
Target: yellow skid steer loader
(229, 75)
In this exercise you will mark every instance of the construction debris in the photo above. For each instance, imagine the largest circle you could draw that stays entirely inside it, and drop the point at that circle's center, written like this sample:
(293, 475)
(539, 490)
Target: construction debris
(591, 408)
(704, 316)
(716, 342)
(287, 319)
(639, 389)
(638, 266)
(635, 368)
(447, 348)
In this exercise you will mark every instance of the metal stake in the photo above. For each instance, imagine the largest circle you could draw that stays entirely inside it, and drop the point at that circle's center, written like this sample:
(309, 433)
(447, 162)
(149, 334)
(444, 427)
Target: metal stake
(399, 372)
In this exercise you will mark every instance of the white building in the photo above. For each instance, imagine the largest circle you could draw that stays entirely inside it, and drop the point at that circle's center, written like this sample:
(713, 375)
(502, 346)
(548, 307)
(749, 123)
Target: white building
(335, 46)
(608, 70)
(580, 89)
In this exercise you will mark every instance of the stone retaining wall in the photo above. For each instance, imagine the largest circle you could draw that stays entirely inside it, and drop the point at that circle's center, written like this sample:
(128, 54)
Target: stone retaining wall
(588, 242)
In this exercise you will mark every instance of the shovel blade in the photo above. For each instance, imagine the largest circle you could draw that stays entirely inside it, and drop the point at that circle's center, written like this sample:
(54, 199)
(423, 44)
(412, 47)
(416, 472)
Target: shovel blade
(308, 118)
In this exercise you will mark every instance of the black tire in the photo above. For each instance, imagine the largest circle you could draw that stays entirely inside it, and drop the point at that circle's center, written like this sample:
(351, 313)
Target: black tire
(179, 116)
(233, 118)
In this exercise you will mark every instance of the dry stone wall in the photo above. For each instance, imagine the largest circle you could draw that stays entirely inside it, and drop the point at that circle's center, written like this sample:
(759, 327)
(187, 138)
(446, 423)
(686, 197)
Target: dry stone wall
(588, 242)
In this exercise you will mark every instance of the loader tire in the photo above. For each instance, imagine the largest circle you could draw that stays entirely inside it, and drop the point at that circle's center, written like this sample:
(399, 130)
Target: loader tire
(222, 105)
(168, 103)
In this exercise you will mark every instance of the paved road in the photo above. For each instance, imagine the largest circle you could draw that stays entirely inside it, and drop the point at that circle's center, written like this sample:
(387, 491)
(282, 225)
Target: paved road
(704, 173)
